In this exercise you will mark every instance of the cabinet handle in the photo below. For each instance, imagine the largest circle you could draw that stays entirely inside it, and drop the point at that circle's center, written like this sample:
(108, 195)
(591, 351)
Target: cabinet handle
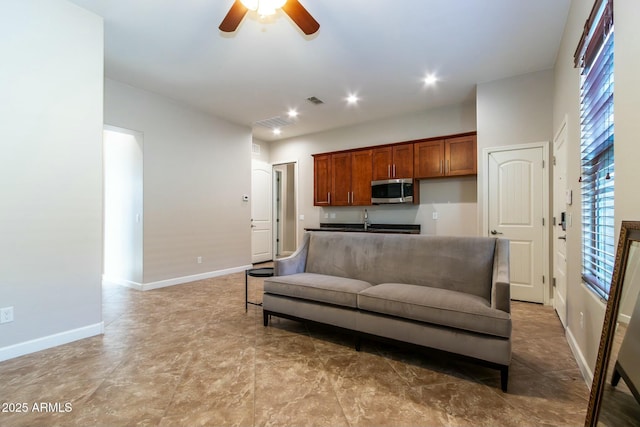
(388, 171)
(348, 198)
(329, 198)
(441, 166)
(447, 168)
(394, 170)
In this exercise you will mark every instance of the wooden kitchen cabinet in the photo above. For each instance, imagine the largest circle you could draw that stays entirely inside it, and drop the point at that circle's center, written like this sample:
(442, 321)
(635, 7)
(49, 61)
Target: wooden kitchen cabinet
(429, 159)
(393, 162)
(322, 180)
(343, 179)
(445, 157)
(361, 172)
(340, 179)
(460, 155)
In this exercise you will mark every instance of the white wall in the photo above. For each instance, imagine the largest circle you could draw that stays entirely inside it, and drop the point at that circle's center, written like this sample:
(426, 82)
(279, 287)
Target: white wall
(51, 173)
(265, 154)
(627, 125)
(196, 169)
(510, 112)
(458, 208)
(585, 339)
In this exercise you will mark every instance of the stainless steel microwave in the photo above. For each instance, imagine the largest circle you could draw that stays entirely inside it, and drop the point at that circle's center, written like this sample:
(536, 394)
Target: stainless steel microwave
(389, 191)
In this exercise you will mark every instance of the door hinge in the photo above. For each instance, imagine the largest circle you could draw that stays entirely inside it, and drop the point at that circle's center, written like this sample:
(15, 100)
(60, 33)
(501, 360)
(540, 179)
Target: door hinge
(543, 164)
(554, 220)
(554, 282)
(554, 160)
(543, 222)
(543, 280)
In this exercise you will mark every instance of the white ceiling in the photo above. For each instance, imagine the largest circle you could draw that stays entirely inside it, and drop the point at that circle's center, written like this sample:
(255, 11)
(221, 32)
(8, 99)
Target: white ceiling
(379, 49)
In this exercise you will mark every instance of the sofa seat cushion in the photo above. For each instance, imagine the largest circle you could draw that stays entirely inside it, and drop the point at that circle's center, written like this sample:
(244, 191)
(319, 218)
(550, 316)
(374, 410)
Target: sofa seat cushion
(437, 306)
(317, 287)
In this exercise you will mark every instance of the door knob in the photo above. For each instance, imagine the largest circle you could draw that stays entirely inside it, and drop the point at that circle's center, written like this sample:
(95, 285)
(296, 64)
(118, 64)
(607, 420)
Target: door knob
(494, 232)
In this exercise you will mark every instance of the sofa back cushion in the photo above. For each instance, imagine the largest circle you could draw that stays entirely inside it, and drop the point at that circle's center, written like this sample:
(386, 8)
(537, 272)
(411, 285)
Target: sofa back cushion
(463, 264)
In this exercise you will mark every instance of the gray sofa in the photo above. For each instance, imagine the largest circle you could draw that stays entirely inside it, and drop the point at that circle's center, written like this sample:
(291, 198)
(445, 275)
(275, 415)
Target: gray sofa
(447, 293)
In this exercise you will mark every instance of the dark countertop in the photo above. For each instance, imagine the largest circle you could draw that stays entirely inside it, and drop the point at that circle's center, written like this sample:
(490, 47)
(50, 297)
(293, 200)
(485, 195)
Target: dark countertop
(373, 228)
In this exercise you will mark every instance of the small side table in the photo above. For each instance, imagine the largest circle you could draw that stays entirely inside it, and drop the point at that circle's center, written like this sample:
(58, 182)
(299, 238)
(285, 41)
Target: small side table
(254, 272)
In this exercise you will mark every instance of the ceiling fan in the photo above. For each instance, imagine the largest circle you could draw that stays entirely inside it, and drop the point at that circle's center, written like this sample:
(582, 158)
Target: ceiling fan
(293, 8)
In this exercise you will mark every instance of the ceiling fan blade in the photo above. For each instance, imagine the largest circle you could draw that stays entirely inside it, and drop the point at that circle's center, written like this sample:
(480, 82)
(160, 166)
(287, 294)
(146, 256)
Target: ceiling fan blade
(230, 22)
(301, 17)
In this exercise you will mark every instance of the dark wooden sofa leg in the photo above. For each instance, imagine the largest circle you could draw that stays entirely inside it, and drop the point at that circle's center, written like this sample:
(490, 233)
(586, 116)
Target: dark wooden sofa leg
(265, 318)
(504, 377)
(358, 342)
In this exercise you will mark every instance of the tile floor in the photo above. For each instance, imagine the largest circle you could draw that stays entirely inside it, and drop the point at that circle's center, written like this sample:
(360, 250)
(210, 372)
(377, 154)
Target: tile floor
(189, 355)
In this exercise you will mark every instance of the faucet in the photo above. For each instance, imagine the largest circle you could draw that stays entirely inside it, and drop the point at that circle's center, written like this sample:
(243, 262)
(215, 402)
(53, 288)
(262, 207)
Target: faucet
(366, 220)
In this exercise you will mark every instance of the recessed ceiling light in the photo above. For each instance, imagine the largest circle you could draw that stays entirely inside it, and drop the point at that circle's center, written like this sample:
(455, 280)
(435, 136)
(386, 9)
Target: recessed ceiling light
(352, 99)
(430, 79)
(292, 113)
(277, 131)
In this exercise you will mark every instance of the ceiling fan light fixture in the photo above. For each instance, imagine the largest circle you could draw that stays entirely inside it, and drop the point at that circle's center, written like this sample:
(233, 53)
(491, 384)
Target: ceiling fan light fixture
(264, 7)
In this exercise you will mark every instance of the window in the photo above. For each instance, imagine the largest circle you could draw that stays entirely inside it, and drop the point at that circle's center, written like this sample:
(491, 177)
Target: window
(595, 57)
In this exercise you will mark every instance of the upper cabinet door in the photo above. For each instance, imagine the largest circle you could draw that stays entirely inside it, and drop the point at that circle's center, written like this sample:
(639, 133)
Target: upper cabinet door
(382, 158)
(361, 172)
(446, 157)
(393, 162)
(461, 156)
(429, 159)
(322, 180)
(402, 166)
(341, 179)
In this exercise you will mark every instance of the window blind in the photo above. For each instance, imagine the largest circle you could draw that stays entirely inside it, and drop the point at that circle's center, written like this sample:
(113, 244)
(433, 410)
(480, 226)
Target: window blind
(595, 56)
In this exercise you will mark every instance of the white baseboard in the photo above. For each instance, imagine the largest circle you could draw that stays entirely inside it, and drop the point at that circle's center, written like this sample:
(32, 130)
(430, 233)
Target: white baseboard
(49, 341)
(175, 281)
(585, 370)
(121, 282)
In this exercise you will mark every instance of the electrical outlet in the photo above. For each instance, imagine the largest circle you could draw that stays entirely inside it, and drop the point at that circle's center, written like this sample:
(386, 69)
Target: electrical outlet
(434, 215)
(6, 314)
(199, 260)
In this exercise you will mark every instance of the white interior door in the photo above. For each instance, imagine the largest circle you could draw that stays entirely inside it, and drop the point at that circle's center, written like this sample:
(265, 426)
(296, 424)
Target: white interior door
(516, 212)
(560, 201)
(261, 212)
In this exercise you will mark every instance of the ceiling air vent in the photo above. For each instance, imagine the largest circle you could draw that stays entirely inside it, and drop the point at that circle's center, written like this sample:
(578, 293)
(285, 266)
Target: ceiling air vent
(314, 100)
(274, 122)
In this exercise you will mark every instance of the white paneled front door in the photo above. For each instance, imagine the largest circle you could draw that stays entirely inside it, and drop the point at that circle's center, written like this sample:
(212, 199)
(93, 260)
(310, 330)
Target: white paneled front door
(261, 212)
(516, 212)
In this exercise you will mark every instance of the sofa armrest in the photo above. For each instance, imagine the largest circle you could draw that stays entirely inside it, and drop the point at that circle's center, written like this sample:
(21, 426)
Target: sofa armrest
(501, 284)
(295, 263)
